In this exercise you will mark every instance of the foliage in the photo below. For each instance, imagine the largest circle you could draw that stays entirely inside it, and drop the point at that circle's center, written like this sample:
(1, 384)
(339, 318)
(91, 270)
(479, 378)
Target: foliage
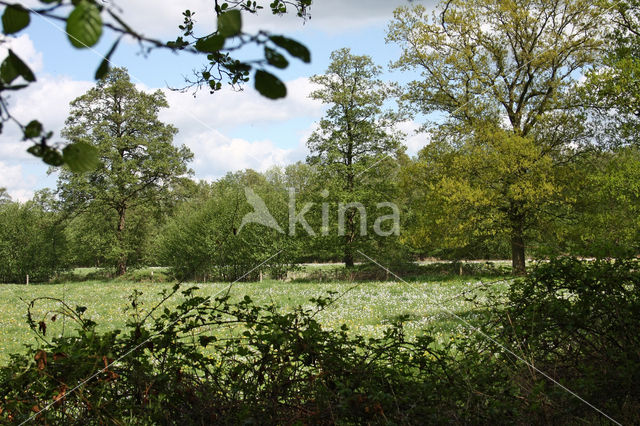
(578, 321)
(139, 165)
(356, 135)
(499, 73)
(602, 218)
(611, 91)
(461, 197)
(207, 238)
(92, 241)
(31, 243)
(84, 26)
(172, 370)
(575, 321)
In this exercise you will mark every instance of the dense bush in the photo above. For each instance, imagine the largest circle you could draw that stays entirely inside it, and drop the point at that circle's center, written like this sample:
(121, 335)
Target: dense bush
(572, 321)
(172, 369)
(214, 361)
(207, 240)
(31, 243)
(579, 322)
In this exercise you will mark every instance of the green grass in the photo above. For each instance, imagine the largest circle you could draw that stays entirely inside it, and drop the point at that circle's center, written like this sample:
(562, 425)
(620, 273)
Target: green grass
(366, 308)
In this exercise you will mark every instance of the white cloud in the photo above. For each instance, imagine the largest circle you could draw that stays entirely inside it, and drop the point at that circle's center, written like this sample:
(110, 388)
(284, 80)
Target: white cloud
(19, 186)
(414, 141)
(160, 18)
(205, 121)
(46, 100)
(334, 16)
(216, 154)
(228, 109)
(24, 48)
(202, 122)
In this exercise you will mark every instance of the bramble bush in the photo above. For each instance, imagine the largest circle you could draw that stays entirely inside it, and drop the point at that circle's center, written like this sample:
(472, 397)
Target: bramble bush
(579, 321)
(170, 368)
(211, 360)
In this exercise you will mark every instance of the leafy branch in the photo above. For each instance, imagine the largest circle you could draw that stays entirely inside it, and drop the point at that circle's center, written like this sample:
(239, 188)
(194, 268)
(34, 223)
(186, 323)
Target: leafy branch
(84, 25)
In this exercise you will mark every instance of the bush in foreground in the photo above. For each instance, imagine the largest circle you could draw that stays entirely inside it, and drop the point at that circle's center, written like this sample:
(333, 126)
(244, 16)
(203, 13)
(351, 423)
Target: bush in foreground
(210, 360)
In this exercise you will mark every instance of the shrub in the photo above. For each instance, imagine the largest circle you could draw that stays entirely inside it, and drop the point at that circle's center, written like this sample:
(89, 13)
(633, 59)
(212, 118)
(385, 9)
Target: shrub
(579, 321)
(213, 361)
(31, 243)
(174, 370)
(206, 240)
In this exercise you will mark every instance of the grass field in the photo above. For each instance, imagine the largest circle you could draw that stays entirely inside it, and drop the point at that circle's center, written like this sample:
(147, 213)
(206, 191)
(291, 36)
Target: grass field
(366, 308)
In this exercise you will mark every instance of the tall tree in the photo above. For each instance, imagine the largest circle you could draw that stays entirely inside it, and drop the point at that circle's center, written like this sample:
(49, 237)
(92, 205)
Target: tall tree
(139, 164)
(356, 134)
(498, 72)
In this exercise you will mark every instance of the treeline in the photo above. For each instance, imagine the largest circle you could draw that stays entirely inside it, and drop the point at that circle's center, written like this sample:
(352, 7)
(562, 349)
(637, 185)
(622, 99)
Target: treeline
(200, 234)
(534, 152)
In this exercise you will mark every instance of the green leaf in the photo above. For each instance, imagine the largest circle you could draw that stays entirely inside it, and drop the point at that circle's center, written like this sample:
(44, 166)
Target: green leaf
(274, 58)
(52, 157)
(230, 23)
(15, 18)
(269, 85)
(36, 150)
(33, 129)
(15, 87)
(81, 157)
(84, 25)
(105, 65)
(294, 48)
(13, 67)
(210, 44)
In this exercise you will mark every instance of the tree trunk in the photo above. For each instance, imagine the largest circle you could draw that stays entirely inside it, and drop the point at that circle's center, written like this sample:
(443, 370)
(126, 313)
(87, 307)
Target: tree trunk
(349, 238)
(122, 261)
(348, 257)
(518, 265)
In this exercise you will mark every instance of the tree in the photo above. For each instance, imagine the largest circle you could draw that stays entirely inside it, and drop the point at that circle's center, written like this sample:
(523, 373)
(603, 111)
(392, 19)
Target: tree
(139, 164)
(208, 237)
(498, 72)
(355, 135)
(605, 214)
(84, 26)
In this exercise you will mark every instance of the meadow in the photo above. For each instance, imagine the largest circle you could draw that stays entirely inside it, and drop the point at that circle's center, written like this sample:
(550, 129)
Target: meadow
(365, 307)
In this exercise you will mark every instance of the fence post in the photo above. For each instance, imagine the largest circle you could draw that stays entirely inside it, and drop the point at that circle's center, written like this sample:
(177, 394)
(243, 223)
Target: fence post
(27, 279)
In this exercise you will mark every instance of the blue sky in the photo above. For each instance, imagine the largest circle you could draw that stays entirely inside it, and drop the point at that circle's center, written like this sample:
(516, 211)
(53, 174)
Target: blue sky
(228, 130)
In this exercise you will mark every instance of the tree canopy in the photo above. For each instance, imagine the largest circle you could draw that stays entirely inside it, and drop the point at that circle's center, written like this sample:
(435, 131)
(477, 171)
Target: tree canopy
(499, 72)
(356, 135)
(139, 165)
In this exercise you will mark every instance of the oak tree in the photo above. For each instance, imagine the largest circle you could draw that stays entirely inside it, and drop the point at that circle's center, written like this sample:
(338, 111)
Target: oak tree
(496, 74)
(138, 162)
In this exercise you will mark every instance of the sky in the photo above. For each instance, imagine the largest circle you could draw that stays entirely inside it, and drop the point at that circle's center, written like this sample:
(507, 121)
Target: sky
(227, 131)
